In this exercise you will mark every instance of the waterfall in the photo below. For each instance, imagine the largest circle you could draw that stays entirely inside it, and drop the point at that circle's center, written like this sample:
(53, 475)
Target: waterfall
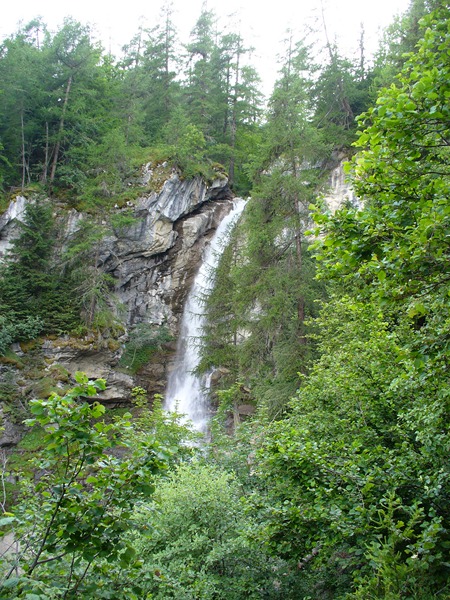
(185, 391)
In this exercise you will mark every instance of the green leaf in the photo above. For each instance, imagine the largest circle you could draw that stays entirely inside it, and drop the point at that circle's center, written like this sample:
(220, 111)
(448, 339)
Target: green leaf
(12, 582)
(128, 556)
(81, 377)
(97, 410)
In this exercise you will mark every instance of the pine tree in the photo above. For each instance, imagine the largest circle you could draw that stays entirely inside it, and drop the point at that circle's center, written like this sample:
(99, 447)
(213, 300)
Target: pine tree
(23, 92)
(267, 295)
(31, 286)
(160, 88)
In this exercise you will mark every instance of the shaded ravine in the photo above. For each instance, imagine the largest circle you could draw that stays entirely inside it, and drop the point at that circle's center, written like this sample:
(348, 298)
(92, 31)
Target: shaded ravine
(186, 392)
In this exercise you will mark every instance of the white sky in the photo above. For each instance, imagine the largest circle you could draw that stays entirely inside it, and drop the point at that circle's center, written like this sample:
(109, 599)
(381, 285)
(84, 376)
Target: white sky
(263, 23)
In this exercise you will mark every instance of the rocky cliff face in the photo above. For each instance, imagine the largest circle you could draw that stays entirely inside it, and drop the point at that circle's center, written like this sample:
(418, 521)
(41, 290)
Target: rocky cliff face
(152, 262)
(8, 223)
(339, 189)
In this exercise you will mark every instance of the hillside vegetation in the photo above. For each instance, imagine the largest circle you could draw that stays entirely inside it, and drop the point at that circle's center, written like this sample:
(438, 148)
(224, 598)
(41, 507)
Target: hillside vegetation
(335, 327)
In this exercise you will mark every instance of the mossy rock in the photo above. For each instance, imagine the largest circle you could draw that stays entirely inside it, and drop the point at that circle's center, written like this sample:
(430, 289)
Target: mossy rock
(59, 373)
(30, 345)
(44, 387)
(13, 359)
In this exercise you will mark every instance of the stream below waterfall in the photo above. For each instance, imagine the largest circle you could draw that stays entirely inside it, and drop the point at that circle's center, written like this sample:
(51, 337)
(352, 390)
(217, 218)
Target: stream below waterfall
(186, 392)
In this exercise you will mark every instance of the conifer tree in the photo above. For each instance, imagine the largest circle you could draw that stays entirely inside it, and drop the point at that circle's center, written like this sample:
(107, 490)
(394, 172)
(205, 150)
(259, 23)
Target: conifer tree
(23, 82)
(271, 291)
(159, 61)
(31, 286)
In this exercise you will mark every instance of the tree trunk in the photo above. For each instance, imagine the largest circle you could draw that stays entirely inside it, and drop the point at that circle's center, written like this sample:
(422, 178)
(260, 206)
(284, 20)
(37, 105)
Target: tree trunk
(60, 130)
(45, 167)
(233, 127)
(23, 150)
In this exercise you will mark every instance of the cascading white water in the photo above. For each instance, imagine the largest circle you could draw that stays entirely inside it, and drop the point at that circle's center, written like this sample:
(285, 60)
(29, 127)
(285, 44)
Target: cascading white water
(185, 391)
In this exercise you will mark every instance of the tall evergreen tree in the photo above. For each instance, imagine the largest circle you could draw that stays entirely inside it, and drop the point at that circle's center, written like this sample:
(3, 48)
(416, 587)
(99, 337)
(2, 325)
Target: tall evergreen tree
(272, 282)
(75, 117)
(31, 286)
(203, 86)
(23, 82)
(27, 278)
(161, 90)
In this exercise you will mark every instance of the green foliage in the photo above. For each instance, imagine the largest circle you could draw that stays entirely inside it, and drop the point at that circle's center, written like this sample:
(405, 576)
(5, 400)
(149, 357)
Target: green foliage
(73, 517)
(30, 255)
(397, 242)
(90, 283)
(350, 483)
(357, 473)
(144, 340)
(341, 492)
(75, 119)
(196, 547)
(159, 62)
(11, 331)
(399, 41)
(122, 222)
(111, 165)
(34, 295)
(188, 144)
(341, 94)
(265, 286)
(164, 425)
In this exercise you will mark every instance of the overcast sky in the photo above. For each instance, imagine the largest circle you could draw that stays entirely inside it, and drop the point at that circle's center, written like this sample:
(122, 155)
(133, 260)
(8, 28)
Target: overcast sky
(263, 23)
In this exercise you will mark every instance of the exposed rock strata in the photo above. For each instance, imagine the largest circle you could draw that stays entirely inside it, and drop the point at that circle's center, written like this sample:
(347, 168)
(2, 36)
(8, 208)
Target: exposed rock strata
(8, 223)
(153, 262)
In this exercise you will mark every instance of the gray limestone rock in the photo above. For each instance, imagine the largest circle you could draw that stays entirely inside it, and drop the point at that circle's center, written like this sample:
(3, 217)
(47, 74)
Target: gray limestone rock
(152, 261)
(155, 259)
(9, 223)
(339, 190)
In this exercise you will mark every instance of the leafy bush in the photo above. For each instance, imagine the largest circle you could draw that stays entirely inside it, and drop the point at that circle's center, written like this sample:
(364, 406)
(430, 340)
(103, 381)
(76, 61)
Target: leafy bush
(196, 545)
(16, 331)
(72, 519)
